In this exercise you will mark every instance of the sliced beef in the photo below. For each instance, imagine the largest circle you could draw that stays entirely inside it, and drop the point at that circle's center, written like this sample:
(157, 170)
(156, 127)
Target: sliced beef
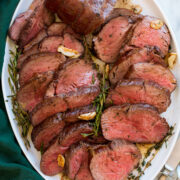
(77, 162)
(33, 50)
(39, 63)
(76, 82)
(47, 108)
(56, 29)
(50, 127)
(33, 92)
(59, 29)
(40, 17)
(115, 161)
(55, 104)
(50, 44)
(83, 16)
(72, 115)
(84, 172)
(17, 26)
(139, 91)
(145, 36)
(71, 42)
(123, 12)
(49, 164)
(134, 56)
(138, 123)
(43, 134)
(73, 133)
(111, 38)
(70, 135)
(39, 37)
(82, 96)
(74, 74)
(153, 72)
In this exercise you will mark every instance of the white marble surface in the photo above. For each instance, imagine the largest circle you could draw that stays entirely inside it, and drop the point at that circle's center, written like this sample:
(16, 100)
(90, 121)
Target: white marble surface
(172, 11)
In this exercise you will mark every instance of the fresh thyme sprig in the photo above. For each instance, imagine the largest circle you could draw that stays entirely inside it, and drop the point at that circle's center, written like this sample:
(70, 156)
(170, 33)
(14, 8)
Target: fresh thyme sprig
(103, 76)
(21, 116)
(100, 101)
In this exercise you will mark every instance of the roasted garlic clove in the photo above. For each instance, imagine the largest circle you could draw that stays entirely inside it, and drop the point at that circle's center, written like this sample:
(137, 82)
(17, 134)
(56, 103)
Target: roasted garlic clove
(61, 160)
(157, 24)
(171, 60)
(87, 116)
(68, 52)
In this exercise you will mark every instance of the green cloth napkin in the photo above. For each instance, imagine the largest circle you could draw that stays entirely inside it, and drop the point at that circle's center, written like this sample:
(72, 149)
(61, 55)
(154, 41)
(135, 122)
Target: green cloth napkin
(13, 164)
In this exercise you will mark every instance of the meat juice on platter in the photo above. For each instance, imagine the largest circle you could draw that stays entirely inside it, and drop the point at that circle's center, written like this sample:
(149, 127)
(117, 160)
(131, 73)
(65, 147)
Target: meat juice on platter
(86, 120)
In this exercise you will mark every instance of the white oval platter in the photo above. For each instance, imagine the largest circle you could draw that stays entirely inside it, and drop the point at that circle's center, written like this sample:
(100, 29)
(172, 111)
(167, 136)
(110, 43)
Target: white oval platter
(150, 7)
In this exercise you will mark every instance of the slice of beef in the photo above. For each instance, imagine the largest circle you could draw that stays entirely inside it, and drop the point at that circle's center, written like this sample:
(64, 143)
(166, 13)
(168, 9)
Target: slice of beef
(144, 35)
(33, 92)
(39, 37)
(47, 108)
(83, 16)
(49, 163)
(33, 50)
(72, 115)
(138, 123)
(71, 42)
(39, 63)
(134, 56)
(75, 157)
(56, 29)
(70, 135)
(17, 26)
(50, 44)
(59, 29)
(115, 161)
(83, 96)
(84, 172)
(111, 38)
(153, 72)
(139, 91)
(43, 134)
(73, 133)
(74, 74)
(40, 17)
(77, 162)
(133, 17)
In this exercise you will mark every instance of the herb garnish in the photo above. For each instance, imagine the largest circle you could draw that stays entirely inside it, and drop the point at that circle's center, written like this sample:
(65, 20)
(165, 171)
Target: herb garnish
(86, 134)
(21, 116)
(103, 71)
(99, 102)
(42, 148)
(93, 79)
(151, 153)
